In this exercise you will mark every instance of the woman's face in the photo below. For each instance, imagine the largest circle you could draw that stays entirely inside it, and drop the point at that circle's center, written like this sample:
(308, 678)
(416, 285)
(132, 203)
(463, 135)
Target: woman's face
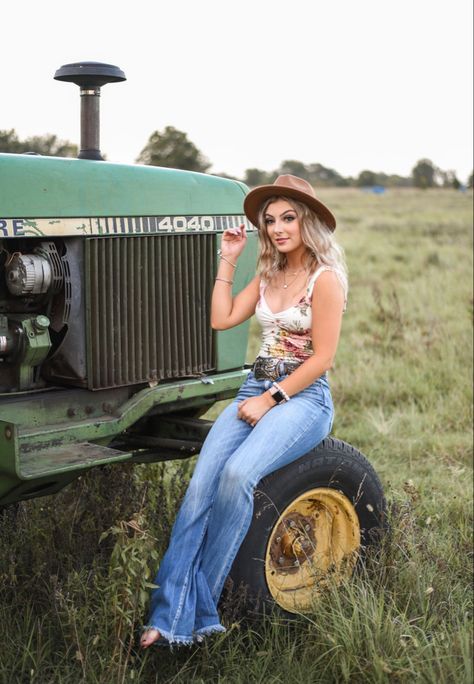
(283, 227)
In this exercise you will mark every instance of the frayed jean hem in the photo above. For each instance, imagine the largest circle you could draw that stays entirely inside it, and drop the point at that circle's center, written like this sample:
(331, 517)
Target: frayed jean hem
(170, 639)
(206, 631)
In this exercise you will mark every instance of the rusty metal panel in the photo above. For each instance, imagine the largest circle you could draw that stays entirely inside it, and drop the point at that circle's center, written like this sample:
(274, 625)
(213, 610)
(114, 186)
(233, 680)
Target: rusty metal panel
(148, 308)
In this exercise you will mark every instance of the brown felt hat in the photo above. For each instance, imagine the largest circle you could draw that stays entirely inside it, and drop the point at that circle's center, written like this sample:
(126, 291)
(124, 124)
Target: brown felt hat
(287, 186)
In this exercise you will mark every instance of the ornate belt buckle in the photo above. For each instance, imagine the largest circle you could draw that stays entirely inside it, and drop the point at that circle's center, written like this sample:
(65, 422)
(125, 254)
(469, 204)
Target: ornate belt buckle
(273, 369)
(266, 368)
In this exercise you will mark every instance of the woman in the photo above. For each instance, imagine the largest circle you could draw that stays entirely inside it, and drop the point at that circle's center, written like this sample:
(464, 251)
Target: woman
(282, 410)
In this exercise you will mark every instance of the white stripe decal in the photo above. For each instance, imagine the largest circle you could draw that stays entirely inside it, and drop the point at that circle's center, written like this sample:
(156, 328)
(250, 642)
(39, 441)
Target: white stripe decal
(119, 225)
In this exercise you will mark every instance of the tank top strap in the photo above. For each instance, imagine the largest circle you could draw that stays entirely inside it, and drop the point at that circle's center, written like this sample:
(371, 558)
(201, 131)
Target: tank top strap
(314, 277)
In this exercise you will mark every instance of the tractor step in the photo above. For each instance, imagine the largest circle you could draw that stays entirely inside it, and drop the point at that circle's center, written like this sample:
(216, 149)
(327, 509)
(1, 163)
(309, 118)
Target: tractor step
(67, 457)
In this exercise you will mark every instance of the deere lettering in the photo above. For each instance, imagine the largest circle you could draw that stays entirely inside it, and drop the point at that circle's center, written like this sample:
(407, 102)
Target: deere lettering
(11, 228)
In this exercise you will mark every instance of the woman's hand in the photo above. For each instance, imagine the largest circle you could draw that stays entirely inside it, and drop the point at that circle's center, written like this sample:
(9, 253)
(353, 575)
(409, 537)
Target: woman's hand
(252, 409)
(233, 242)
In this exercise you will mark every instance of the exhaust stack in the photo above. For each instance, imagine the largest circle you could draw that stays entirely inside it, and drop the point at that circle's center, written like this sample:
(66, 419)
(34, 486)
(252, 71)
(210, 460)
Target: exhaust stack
(90, 77)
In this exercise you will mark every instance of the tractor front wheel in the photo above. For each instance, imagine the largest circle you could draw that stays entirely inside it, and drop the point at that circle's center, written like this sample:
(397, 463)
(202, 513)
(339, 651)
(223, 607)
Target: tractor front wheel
(312, 522)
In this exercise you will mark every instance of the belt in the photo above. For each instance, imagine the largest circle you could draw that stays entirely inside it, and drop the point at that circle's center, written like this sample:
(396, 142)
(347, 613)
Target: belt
(271, 369)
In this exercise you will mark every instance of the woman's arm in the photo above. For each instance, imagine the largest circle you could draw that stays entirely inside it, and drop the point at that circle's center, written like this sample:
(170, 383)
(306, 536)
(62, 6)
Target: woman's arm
(228, 311)
(327, 307)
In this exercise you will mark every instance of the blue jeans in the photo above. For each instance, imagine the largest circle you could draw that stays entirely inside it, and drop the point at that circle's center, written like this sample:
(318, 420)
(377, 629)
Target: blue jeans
(216, 511)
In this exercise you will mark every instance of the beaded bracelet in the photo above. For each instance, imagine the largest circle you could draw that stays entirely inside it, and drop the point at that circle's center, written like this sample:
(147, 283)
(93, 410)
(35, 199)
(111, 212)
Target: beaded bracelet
(221, 256)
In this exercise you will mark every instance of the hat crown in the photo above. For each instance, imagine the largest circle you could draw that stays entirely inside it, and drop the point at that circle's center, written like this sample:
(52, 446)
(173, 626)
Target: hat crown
(295, 183)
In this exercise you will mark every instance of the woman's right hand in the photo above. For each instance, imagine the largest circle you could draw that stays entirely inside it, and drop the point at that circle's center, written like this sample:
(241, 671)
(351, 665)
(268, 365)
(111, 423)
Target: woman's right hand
(233, 242)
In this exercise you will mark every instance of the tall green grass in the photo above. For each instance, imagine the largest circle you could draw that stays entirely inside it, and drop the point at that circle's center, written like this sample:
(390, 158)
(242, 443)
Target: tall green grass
(75, 568)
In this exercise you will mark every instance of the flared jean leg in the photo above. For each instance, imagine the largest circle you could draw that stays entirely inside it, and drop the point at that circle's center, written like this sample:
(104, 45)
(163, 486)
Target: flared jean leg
(284, 434)
(181, 592)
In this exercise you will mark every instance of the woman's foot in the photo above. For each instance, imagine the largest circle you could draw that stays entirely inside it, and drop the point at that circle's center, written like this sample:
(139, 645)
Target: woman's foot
(149, 637)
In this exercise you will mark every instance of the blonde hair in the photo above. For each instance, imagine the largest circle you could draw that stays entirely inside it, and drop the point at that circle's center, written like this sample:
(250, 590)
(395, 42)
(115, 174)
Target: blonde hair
(321, 247)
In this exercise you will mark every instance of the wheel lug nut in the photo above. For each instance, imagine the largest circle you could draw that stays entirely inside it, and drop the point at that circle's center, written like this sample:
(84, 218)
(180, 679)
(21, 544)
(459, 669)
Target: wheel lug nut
(281, 560)
(278, 540)
(307, 528)
(296, 562)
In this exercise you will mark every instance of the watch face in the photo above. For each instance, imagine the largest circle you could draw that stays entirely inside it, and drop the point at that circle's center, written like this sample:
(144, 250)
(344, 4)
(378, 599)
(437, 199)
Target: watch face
(278, 397)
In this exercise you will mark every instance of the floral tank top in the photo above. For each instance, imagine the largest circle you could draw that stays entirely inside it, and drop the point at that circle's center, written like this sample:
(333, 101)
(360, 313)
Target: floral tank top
(286, 335)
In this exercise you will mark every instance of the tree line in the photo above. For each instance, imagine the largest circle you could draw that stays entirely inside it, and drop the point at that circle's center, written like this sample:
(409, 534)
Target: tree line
(424, 175)
(172, 148)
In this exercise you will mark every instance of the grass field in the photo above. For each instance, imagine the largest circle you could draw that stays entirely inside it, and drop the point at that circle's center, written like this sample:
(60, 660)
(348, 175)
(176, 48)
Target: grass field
(73, 568)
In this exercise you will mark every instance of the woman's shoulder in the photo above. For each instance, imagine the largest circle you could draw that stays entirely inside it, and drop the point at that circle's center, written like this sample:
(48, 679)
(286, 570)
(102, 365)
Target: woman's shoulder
(263, 282)
(329, 284)
(319, 270)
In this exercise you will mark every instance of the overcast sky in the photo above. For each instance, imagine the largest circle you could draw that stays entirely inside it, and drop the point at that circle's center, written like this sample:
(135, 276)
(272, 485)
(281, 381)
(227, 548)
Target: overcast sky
(351, 84)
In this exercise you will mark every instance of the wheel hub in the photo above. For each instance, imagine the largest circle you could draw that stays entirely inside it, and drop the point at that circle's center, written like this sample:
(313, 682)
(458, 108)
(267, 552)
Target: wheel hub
(293, 542)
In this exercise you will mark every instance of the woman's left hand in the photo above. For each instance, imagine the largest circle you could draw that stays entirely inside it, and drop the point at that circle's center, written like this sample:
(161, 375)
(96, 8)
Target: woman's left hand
(252, 409)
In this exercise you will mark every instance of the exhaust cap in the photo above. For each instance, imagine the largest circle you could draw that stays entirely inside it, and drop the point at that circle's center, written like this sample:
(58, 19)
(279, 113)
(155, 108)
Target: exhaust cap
(89, 74)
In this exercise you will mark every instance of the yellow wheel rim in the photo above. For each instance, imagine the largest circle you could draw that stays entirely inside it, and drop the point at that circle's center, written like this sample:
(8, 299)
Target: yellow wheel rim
(315, 541)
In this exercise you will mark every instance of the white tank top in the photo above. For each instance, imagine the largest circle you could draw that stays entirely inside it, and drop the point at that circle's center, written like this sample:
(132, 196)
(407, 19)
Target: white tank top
(286, 335)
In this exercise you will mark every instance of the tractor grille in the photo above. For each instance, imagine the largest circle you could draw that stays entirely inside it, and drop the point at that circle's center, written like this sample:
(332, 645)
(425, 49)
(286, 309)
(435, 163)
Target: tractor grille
(148, 308)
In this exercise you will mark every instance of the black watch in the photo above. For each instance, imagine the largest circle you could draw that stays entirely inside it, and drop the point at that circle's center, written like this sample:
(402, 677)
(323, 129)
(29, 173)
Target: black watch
(277, 395)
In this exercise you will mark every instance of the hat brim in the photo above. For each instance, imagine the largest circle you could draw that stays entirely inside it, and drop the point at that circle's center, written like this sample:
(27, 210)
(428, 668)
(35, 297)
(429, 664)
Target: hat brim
(256, 197)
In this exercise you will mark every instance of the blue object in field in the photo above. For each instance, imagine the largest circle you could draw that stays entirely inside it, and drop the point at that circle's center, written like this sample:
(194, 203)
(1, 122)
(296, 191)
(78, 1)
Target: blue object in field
(376, 189)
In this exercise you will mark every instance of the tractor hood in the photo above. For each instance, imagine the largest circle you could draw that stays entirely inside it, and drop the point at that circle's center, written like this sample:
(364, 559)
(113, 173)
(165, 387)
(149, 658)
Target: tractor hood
(43, 187)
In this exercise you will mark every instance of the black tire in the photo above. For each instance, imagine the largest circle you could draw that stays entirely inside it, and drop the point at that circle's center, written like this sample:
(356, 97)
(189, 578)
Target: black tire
(332, 464)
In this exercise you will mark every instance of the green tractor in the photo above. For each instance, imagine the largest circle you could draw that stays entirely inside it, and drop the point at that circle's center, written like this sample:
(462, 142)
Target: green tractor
(107, 354)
